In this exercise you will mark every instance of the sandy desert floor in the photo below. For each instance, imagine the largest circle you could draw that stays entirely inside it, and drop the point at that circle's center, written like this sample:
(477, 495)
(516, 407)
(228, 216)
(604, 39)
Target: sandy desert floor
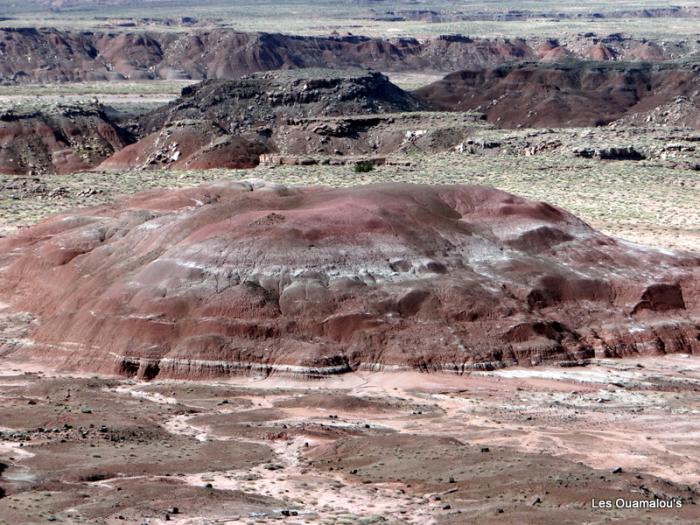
(530, 445)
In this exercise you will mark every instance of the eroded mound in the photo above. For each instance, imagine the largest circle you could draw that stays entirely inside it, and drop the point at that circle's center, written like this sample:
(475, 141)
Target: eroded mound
(57, 139)
(194, 145)
(245, 276)
(569, 94)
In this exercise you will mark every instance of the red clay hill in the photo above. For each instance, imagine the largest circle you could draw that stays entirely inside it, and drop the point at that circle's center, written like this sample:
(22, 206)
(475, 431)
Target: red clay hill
(569, 94)
(234, 277)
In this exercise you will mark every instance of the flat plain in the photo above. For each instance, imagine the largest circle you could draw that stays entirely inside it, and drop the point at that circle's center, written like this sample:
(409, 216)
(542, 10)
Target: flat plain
(304, 17)
(517, 446)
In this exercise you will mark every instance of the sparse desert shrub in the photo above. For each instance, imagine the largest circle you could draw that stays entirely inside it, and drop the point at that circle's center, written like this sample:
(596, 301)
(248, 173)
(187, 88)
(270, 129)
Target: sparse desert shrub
(363, 166)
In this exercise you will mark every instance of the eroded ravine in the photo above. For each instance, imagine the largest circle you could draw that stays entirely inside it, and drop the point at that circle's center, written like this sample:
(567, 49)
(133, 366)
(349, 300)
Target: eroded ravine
(465, 408)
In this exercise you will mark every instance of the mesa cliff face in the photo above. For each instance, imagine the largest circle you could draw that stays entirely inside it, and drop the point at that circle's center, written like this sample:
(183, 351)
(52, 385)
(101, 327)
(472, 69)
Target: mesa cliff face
(33, 55)
(264, 98)
(50, 55)
(234, 277)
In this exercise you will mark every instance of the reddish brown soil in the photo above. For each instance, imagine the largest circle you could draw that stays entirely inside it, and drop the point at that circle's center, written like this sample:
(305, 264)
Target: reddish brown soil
(552, 51)
(601, 52)
(235, 277)
(441, 464)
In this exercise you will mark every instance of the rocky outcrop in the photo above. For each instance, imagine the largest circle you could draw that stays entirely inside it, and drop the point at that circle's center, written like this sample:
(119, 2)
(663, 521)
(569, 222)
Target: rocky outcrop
(51, 55)
(57, 139)
(230, 123)
(267, 98)
(234, 277)
(682, 112)
(566, 95)
(609, 153)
